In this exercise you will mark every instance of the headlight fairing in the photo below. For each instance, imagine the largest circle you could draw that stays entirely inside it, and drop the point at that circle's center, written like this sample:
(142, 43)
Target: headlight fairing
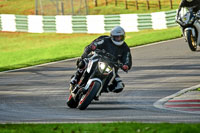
(187, 19)
(104, 68)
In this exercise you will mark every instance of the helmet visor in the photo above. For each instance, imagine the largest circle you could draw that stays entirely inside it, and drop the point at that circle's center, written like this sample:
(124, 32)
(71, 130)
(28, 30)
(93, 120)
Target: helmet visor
(118, 38)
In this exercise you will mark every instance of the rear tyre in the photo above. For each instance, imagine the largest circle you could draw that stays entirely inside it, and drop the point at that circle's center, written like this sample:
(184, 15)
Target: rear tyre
(191, 40)
(89, 96)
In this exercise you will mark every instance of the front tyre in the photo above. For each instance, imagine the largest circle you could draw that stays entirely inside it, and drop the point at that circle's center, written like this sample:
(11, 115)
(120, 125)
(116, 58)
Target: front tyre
(89, 96)
(191, 40)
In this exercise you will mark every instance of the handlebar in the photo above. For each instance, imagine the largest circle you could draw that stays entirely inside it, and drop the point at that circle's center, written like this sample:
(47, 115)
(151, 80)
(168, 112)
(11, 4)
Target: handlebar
(105, 54)
(109, 57)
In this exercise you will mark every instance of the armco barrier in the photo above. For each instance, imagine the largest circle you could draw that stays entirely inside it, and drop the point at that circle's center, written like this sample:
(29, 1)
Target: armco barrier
(86, 24)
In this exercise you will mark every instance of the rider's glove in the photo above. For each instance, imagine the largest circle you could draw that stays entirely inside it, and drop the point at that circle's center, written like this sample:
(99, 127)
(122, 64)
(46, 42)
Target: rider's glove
(93, 47)
(125, 68)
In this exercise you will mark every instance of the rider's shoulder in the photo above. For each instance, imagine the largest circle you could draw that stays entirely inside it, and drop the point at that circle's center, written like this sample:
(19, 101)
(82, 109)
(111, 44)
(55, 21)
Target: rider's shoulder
(125, 45)
(100, 40)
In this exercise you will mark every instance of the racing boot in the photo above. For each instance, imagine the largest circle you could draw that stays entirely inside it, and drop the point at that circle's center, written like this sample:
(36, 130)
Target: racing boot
(75, 79)
(117, 85)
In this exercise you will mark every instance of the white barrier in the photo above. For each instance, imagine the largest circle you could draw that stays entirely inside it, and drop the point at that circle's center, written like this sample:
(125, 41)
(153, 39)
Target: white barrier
(86, 24)
(64, 24)
(8, 22)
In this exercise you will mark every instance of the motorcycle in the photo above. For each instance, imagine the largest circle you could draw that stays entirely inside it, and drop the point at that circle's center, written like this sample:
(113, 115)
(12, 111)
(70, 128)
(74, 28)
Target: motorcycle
(190, 24)
(99, 74)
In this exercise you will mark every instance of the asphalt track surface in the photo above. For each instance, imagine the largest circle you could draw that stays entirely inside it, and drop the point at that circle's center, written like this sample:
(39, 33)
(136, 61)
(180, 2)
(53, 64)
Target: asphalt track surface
(38, 94)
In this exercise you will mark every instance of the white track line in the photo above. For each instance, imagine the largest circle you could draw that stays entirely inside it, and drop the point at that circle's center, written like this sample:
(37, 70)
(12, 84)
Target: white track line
(159, 104)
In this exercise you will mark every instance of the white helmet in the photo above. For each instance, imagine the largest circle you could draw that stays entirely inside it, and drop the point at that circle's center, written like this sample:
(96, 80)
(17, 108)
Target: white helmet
(189, 0)
(117, 35)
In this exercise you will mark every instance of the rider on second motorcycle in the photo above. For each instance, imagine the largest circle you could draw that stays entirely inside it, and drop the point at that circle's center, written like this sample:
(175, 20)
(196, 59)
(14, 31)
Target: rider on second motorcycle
(194, 6)
(113, 44)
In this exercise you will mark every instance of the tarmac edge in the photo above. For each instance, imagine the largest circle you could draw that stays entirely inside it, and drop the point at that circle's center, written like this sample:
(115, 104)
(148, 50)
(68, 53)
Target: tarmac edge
(159, 104)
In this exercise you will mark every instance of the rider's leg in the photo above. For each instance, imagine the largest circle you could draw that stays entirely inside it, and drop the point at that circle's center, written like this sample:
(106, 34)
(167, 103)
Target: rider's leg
(75, 79)
(81, 65)
(117, 85)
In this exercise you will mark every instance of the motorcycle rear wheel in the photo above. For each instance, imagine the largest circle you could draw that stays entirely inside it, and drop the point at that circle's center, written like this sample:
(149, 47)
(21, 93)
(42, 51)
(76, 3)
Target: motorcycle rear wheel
(191, 40)
(89, 96)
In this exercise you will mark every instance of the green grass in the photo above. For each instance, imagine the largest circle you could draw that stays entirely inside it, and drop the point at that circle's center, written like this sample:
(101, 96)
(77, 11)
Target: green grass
(100, 128)
(19, 50)
(23, 7)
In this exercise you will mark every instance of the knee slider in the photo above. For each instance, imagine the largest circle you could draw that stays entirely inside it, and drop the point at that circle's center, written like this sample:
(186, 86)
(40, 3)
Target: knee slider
(116, 87)
(119, 87)
(118, 90)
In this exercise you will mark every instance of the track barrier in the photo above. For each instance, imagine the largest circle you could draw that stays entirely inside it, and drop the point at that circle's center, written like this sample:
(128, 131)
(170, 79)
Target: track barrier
(86, 23)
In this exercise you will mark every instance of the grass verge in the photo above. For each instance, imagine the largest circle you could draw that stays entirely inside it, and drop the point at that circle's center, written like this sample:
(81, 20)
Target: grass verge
(101, 128)
(18, 50)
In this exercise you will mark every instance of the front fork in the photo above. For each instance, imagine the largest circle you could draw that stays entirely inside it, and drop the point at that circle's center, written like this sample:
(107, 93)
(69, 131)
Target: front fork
(90, 82)
(197, 26)
(194, 34)
(78, 91)
(184, 31)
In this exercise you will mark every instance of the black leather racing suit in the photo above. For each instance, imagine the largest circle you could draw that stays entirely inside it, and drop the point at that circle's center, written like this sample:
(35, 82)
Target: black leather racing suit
(122, 53)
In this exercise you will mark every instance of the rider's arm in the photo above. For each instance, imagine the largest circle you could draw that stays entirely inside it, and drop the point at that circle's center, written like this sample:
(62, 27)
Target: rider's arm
(179, 9)
(96, 44)
(177, 15)
(127, 58)
(87, 50)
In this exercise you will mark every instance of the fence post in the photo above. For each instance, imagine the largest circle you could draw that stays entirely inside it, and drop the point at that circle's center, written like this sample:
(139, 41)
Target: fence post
(106, 2)
(86, 6)
(95, 3)
(126, 4)
(148, 7)
(159, 4)
(72, 5)
(36, 7)
(136, 2)
(115, 2)
(62, 7)
(171, 4)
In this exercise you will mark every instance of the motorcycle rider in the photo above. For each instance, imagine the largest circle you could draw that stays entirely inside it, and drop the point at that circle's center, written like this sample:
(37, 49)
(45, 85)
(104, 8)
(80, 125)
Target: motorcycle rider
(194, 5)
(113, 44)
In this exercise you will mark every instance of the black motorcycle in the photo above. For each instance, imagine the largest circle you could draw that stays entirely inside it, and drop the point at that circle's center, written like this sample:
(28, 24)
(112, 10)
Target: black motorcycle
(99, 74)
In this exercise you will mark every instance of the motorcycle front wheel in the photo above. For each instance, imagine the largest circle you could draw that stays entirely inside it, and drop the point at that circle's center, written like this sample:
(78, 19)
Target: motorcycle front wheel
(191, 40)
(87, 98)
